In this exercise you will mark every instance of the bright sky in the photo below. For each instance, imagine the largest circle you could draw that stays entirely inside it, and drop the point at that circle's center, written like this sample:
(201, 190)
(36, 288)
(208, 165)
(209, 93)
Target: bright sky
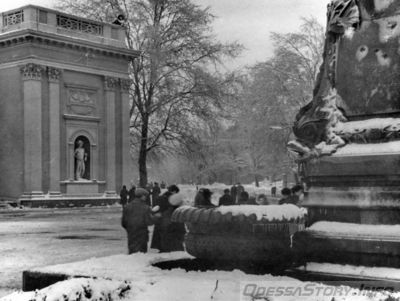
(247, 21)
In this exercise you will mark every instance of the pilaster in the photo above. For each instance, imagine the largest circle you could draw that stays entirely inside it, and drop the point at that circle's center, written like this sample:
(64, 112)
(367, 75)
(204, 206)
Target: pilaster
(54, 128)
(126, 138)
(110, 86)
(32, 104)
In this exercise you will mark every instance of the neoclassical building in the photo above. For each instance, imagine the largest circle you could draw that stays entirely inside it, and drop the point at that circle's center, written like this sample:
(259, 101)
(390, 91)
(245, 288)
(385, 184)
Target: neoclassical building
(64, 106)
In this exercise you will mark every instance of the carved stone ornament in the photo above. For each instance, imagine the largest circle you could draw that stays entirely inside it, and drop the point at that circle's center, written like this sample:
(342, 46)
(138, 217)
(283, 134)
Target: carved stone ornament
(53, 74)
(111, 83)
(315, 123)
(31, 72)
(125, 84)
(81, 101)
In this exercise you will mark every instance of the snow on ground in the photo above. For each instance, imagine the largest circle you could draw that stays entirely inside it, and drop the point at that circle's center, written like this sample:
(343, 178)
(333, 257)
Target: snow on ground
(270, 213)
(349, 229)
(38, 237)
(351, 270)
(149, 283)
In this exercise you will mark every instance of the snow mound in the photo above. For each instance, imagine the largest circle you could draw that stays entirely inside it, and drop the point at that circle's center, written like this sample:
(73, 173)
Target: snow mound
(269, 213)
(350, 229)
(82, 289)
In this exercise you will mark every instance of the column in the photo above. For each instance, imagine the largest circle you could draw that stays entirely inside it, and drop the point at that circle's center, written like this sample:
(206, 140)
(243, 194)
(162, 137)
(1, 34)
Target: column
(32, 103)
(127, 163)
(110, 85)
(54, 130)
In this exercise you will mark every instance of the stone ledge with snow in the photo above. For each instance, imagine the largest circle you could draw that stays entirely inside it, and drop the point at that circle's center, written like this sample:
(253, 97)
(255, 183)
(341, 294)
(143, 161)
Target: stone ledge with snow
(133, 277)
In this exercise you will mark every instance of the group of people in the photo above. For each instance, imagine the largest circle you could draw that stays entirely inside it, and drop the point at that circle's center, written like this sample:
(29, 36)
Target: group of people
(138, 214)
(237, 195)
(154, 190)
(143, 207)
(292, 196)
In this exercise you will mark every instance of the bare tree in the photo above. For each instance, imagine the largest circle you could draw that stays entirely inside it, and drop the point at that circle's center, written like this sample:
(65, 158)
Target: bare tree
(176, 87)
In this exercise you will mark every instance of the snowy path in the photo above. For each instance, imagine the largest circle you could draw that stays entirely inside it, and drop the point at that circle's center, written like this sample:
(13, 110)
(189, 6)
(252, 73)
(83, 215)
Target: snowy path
(32, 238)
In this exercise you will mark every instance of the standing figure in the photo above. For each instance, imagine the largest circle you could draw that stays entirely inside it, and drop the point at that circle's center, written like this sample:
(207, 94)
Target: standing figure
(273, 190)
(131, 193)
(124, 196)
(243, 198)
(286, 194)
(162, 230)
(155, 193)
(226, 199)
(136, 217)
(234, 193)
(203, 198)
(80, 157)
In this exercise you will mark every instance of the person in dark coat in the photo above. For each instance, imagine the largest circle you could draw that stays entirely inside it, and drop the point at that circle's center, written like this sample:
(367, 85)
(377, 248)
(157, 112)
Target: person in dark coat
(131, 193)
(234, 193)
(226, 199)
(297, 194)
(161, 225)
(239, 189)
(203, 198)
(273, 191)
(136, 217)
(243, 198)
(286, 193)
(124, 195)
(262, 199)
(155, 193)
(172, 233)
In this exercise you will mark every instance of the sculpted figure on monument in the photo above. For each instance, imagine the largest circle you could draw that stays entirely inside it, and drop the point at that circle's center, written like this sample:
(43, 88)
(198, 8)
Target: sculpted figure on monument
(314, 123)
(80, 159)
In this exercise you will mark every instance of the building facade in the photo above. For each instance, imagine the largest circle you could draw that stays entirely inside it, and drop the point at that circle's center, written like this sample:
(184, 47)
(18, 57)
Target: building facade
(65, 107)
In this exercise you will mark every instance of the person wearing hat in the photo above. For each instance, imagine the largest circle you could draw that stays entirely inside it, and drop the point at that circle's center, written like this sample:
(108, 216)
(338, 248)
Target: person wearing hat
(158, 240)
(203, 198)
(136, 217)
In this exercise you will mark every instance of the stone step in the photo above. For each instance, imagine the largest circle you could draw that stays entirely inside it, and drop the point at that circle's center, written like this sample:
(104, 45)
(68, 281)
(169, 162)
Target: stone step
(348, 248)
(360, 277)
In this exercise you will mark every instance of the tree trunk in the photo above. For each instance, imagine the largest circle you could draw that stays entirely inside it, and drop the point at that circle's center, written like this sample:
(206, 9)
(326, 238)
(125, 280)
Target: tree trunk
(143, 154)
(256, 180)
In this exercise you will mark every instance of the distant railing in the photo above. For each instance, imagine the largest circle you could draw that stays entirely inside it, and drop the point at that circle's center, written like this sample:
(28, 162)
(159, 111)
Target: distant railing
(79, 25)
(13, 18)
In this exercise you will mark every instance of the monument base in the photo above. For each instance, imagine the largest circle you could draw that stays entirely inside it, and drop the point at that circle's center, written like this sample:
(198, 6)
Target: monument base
(65, 201)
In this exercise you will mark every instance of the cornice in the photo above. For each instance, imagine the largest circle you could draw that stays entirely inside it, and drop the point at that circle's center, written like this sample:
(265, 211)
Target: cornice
(31, 36)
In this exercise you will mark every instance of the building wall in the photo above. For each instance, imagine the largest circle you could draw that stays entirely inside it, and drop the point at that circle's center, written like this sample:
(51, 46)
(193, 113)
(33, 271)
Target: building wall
(11, 132)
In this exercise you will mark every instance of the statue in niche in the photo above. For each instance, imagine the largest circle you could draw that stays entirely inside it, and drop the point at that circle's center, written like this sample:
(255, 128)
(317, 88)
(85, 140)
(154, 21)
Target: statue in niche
(80, 159)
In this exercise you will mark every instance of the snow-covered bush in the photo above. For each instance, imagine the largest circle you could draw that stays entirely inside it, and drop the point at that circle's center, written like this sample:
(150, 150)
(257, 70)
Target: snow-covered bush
(76, 289)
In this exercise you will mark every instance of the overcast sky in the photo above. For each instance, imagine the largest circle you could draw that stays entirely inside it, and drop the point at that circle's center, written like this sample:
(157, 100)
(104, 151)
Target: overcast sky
(247, 21)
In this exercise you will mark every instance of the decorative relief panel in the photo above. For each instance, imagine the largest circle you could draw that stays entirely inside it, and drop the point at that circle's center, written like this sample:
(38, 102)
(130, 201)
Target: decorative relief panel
(81, 101)
(31, 72)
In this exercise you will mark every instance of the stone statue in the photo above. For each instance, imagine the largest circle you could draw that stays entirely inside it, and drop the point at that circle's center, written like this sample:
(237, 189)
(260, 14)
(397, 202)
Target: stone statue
(80, 157)
(315, 124)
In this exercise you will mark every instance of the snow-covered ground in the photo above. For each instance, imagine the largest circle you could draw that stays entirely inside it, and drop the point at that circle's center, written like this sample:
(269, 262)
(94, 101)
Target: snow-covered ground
(39, 237)
(132, 277)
